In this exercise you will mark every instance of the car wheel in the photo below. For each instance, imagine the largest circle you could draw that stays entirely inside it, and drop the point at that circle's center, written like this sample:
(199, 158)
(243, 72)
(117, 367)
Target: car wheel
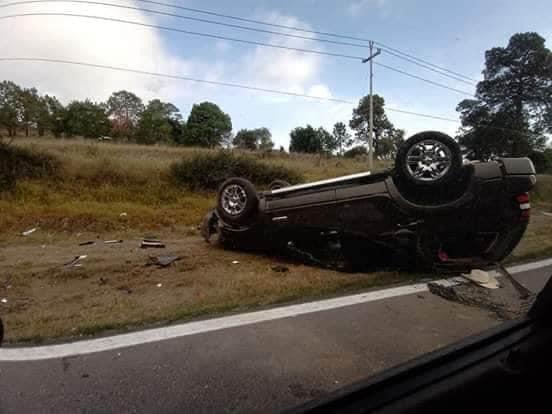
(277, 184)
(429, 159)
(237, 201)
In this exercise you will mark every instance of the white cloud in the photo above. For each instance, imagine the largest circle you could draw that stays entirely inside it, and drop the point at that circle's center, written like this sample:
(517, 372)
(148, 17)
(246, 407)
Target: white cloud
(287, 70)
(87, 40)
(320, 90)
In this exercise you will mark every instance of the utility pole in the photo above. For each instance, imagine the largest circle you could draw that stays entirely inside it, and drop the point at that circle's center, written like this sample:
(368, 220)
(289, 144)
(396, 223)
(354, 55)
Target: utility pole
(371, 116)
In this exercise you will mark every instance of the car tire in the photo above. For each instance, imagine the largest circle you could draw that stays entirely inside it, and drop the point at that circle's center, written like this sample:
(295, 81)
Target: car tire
(428, 159)
(237, 201)
(277, 184)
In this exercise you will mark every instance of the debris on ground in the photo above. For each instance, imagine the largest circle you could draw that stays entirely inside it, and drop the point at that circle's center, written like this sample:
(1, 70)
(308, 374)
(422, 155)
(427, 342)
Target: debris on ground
(125, 289)
(4, 300)
(123, 214)
(102, 281)
(152, 243)
(160, 285)
(482, 278)
(75, 261)
(113, 241)
(162, 261)
(87, 243)
(235, 262)
(280, 269)
(505, 303)
(28, 232)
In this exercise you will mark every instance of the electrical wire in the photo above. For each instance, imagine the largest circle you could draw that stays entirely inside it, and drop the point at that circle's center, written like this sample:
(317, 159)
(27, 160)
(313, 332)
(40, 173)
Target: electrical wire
(389, 48)
(188, 32)
(422, 79)
(239, 86)
(197, 80)
(234, 26)
(251, 42)
(403, 55)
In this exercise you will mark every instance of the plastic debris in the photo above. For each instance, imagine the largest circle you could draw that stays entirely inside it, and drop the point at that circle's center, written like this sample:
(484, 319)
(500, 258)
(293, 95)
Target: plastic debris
(4, 300)
(113, 241)
(31, 231)
(75, 261)
(482, 278)
(87, 243)
(160, 285)
(235, 262)
(162, 261)
(152, 243)
(123, 214)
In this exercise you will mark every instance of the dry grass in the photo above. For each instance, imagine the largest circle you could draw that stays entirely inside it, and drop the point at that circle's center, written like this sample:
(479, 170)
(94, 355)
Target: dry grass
(102, 180)
(47, 300)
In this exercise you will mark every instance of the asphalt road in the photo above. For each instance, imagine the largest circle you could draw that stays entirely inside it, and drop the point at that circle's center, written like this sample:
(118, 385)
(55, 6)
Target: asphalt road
(261, 367)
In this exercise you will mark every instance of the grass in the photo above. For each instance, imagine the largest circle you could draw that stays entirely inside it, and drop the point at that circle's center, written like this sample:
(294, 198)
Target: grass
(101, 180)
(98, 182)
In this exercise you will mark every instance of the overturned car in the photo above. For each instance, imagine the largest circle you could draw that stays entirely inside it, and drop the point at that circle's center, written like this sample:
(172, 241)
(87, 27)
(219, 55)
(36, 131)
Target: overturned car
(432, 208)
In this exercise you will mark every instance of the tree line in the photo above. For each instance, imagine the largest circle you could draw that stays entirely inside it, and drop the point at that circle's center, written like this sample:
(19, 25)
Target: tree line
(511, 115)
(124, 116)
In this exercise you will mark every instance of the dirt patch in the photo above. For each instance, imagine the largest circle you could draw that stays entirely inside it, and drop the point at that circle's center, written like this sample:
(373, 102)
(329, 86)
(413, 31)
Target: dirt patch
(116, 286)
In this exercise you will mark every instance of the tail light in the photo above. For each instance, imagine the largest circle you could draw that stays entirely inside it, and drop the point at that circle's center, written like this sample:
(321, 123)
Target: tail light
(524, 206)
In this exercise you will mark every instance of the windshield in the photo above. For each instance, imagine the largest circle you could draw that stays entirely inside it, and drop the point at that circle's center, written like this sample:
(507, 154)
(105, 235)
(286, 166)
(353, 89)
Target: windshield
(245, 206)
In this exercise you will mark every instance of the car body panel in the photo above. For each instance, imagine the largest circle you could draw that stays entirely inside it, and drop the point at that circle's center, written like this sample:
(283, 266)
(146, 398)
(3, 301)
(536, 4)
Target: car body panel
(375, 208)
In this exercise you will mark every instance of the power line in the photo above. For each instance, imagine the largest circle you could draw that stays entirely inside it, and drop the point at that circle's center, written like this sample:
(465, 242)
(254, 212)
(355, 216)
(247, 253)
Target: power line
(188, 32)
(197, 80)
(251, 42)
(303, 30)
(233, 26)
(180, 16)
(422, 79)
(238, 86)
(427, 67)
(389, 48)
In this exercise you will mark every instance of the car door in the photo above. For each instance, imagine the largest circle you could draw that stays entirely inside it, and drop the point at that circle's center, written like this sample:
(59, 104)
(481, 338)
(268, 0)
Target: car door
(365, 209)
(314, 208)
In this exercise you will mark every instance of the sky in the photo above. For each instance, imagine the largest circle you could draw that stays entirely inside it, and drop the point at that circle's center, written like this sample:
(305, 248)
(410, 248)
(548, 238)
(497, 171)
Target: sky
(451, 34)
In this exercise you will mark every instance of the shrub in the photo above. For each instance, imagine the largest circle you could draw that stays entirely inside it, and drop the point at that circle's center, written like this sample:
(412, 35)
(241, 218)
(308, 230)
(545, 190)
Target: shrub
(356, 152)
(542, 161)
(207, 171)
(17, 163)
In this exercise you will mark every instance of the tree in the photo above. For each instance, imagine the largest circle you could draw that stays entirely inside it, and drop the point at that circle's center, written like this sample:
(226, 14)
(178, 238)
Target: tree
(513, 106)
(32, 107)
(389, 144)
(305, 140)
(11, 107)
(360, 121)
(87, 119)
(310, 140)
(207, 126)
(254, 139)
(51, 116)
(341, 136)
(124, 108)
(159, 122)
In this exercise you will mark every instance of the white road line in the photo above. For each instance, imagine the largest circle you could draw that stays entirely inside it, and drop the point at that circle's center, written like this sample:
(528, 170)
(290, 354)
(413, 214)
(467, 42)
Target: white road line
(193, 328)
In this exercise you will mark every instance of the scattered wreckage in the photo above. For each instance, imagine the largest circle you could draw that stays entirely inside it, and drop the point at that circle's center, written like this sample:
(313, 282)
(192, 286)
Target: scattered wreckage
(432, 208)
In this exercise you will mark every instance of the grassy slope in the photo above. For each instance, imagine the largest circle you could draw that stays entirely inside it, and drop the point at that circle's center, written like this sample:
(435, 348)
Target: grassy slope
(102, 180)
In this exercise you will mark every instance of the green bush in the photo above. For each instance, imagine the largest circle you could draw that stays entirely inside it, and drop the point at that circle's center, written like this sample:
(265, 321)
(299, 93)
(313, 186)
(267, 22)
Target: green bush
(542, 160)
(208, 171)
(17, 163)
